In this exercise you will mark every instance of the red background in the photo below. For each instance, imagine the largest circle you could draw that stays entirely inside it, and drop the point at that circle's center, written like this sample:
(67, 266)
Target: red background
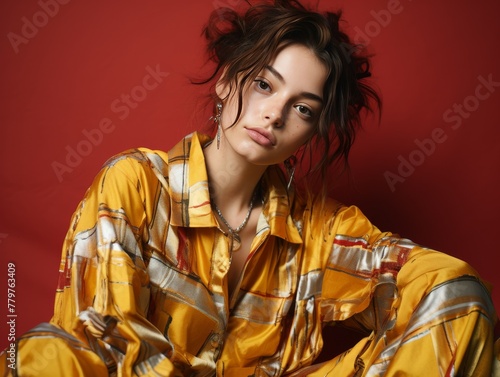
(63, 80)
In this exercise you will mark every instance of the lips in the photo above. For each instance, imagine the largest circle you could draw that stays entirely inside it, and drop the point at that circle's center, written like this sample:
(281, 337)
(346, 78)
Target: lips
(261, 136)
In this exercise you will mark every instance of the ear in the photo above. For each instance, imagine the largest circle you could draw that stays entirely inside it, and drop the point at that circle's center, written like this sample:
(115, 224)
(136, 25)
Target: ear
(222, 87)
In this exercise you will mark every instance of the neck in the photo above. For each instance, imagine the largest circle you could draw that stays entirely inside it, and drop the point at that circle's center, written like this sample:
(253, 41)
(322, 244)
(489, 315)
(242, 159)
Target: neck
(231, 176)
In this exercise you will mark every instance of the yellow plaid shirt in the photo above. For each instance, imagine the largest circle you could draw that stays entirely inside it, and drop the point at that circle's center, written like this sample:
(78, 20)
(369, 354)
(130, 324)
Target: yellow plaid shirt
(143, 284)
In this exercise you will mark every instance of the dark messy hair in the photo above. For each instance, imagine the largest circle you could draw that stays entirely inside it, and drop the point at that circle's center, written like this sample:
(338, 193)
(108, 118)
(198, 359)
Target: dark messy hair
(242, 44)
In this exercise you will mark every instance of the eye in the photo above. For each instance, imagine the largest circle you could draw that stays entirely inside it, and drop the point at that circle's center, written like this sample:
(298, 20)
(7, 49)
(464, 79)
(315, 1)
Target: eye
(304, 110)
(262, 85)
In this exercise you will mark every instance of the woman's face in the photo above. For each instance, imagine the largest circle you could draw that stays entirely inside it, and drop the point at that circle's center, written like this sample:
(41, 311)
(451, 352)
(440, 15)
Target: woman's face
(281, 108)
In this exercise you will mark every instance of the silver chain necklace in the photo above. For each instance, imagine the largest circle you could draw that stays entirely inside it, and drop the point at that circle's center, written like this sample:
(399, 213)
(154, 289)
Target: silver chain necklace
(235, 237)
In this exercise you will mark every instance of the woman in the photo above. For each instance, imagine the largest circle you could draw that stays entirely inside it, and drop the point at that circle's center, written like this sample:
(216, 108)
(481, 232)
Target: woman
(204, 260)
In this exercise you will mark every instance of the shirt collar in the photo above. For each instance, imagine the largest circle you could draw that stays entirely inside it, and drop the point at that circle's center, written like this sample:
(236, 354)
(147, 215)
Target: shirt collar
(190, 196)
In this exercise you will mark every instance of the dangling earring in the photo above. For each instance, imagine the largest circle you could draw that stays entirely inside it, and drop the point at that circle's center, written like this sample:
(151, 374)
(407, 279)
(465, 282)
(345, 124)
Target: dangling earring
(217, 120)
(290, 164)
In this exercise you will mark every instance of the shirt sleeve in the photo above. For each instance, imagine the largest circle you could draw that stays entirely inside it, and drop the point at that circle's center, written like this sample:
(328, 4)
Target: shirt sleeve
(410, 299)
(103, 292)
(368, 270)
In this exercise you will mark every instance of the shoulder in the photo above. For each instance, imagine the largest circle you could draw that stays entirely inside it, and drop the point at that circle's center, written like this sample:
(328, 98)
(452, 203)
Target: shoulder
(336, 219)
(156, 160)
(136, 162)
(149, 167)
(137, 170)
(137, 157)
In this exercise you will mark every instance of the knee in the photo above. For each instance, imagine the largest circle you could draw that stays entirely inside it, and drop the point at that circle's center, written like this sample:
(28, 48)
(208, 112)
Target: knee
(426, 269)
(40, 354)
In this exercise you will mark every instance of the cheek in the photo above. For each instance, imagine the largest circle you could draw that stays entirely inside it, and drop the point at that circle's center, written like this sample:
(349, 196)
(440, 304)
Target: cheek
(302, 133)
(229, 111)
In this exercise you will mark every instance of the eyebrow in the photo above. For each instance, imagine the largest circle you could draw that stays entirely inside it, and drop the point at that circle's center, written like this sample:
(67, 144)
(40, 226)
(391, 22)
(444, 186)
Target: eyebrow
(308, 95)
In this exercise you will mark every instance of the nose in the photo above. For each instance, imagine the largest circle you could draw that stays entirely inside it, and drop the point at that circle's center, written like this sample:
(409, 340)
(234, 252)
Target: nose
(273, 115)
(274, 120)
